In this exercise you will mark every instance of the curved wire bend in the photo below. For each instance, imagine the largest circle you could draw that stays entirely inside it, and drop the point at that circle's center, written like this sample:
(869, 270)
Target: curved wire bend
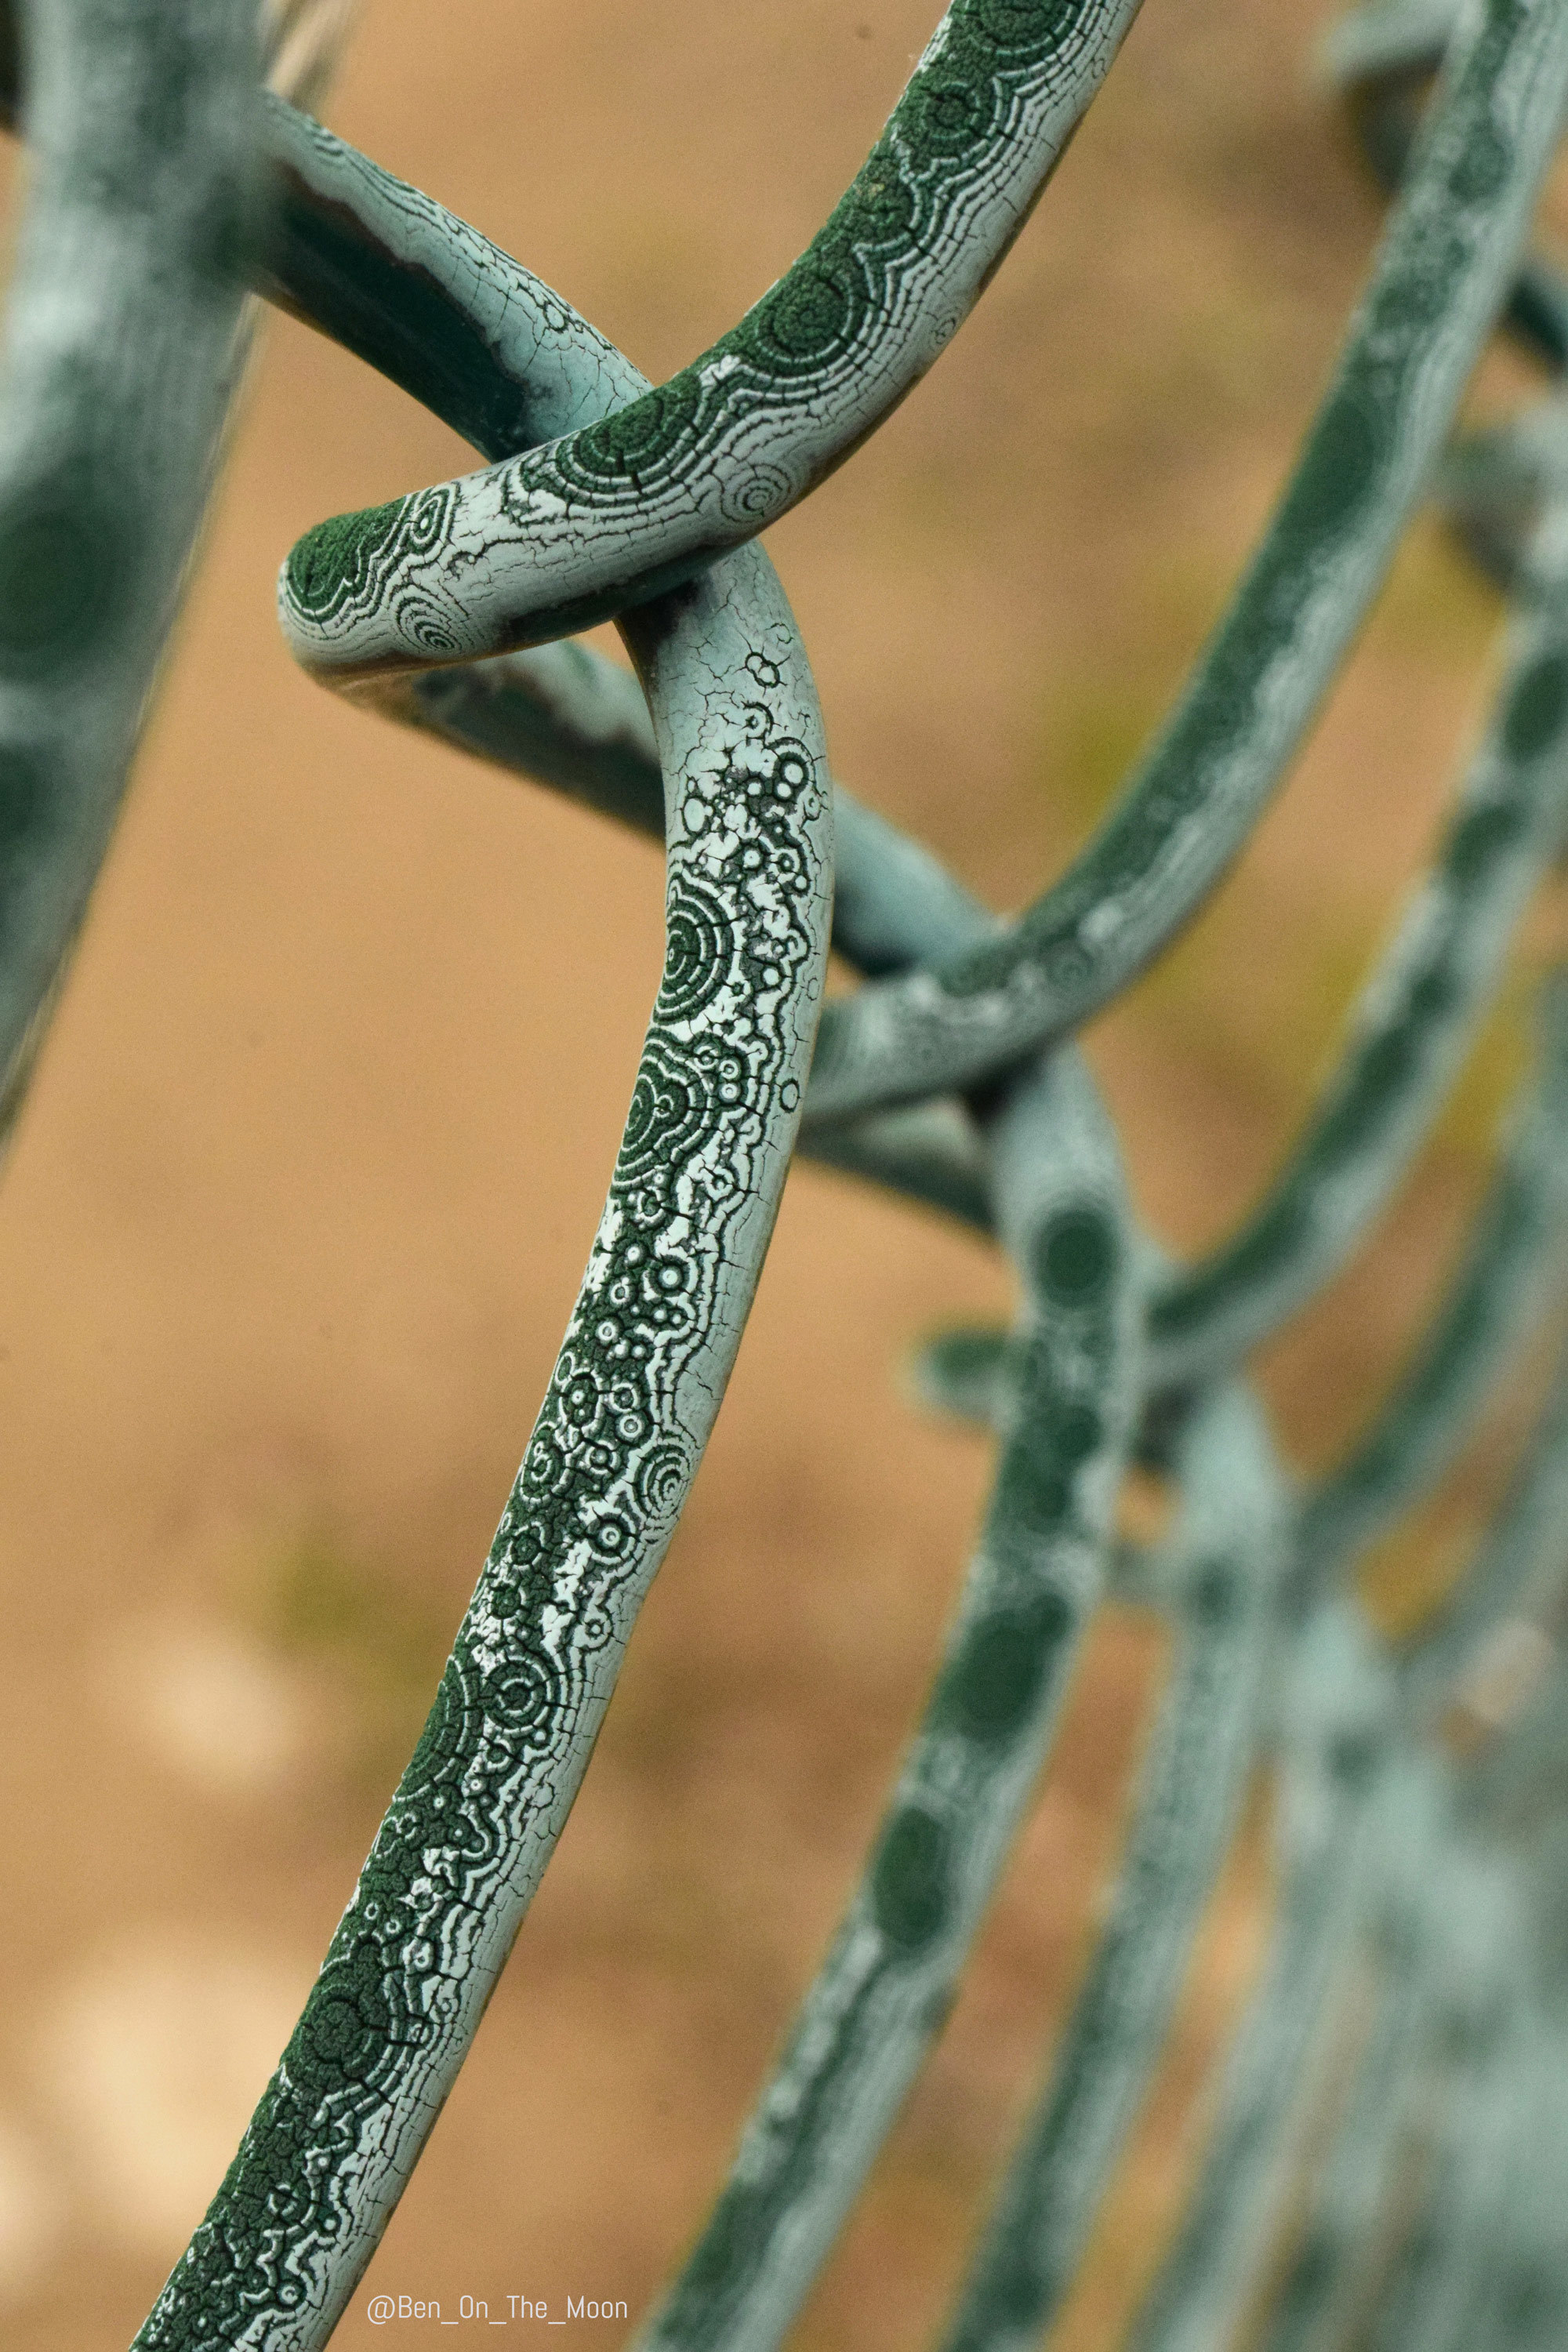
(632, 503)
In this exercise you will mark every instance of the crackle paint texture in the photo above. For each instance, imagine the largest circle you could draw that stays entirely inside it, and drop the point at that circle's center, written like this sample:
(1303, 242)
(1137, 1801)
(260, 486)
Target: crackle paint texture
(948, 1077)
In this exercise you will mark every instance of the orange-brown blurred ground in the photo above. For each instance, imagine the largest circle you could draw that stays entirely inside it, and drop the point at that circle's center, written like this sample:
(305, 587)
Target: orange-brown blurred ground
(319, 1141)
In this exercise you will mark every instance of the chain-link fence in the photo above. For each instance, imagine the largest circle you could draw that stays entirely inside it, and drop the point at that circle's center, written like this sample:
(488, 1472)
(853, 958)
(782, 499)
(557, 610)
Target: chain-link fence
(1388, 2147)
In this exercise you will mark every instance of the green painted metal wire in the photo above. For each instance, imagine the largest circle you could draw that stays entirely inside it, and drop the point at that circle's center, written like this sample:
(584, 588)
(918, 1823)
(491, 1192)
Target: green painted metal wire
(616, 512)
(111, 410)
(1505, 1282)
(1433, 297)
(943, 1079)
(629, 1407)
(1338, 1800)
(888, 1979)
(1327, 2276)
(1228, 1552)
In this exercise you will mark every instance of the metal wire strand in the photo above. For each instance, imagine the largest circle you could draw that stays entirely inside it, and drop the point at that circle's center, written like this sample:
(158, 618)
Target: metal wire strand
(606, 496)
(627, 1413)
(1449, 245)
(1229, 1548)
(622, 509)
(868, 2019)
(111, 406)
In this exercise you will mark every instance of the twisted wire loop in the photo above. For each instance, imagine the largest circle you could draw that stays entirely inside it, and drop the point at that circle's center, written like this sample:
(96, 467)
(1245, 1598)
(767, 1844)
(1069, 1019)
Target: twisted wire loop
(603, 497)
(506, 361)
(1417, 1013)
(606, 516)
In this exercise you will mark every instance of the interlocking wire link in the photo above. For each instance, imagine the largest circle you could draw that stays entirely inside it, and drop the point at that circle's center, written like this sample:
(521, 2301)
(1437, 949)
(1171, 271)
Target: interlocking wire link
(943, 1078)
(609, 514)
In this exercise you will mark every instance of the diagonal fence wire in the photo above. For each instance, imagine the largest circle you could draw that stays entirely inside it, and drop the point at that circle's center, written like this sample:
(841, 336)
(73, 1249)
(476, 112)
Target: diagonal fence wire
(1434, 2216)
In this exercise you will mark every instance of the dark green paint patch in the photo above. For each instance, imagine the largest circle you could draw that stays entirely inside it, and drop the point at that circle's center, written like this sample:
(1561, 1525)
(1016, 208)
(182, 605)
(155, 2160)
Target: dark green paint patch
(1353, 1759)
(646, 433)
(808, 316)
(1024, 28)
(993, 1685)
(730, 2247)
(1435, 994)
(1011, 2298)
(1214, 1594)
(879, 209)
(1270, 1241)
(345, 2027)
(1075, 1434)
(1035, 1484)
(1481, 835)
(946, 115)
(1315, 2269)
(1414, 303)
(1537, 707)
(25, 801)
(334, 560)
(910, 1886)
(62, 575)
(1339, 467)
(967, 1357)
(1481, 168)
(1075, 1258)
(1377, 1084)
(1032, 1493)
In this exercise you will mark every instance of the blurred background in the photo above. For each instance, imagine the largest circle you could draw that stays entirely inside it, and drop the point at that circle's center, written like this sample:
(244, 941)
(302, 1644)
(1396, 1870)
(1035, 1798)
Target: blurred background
(298, 1208)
